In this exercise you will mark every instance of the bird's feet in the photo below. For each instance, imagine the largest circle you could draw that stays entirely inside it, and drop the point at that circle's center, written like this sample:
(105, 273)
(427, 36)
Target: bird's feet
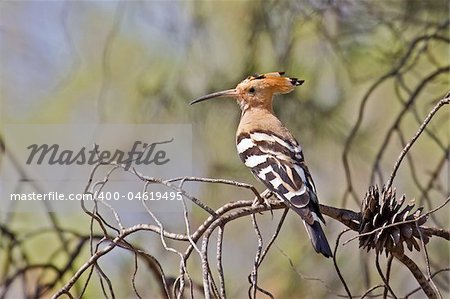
(263, 199)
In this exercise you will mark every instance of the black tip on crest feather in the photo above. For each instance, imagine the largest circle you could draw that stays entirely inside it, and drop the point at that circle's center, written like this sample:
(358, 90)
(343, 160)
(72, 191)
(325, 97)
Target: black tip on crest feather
(296, 82)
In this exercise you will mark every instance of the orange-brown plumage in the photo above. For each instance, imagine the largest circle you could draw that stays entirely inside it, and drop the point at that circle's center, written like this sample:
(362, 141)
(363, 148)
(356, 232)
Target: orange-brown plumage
(271, 152)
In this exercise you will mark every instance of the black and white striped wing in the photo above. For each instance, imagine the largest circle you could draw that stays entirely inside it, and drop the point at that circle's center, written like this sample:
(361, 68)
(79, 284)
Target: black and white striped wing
(279, 164)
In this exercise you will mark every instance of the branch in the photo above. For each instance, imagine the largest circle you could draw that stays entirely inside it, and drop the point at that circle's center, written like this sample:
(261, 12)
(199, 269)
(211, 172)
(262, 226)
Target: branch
(442, 102)
(421, 279)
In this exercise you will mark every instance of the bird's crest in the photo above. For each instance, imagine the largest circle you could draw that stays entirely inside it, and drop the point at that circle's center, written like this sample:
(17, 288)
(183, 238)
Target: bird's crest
(275, 82)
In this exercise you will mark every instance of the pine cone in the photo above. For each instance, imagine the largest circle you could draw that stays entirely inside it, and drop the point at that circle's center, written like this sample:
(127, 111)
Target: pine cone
(379, 211)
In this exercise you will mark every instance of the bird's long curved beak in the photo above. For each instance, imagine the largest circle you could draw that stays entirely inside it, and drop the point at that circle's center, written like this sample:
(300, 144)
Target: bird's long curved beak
(219, 94)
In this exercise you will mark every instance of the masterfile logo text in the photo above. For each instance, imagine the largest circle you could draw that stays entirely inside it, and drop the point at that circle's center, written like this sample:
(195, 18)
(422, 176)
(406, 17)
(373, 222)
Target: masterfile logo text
(63, 159)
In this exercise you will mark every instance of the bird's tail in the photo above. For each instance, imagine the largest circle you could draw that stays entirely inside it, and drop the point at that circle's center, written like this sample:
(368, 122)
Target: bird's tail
(318, 239)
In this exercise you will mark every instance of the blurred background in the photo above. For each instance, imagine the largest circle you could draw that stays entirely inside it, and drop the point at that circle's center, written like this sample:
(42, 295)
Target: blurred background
(373, 70)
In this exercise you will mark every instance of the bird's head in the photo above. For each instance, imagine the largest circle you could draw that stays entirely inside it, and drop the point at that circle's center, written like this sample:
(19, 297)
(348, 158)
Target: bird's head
(256, 90)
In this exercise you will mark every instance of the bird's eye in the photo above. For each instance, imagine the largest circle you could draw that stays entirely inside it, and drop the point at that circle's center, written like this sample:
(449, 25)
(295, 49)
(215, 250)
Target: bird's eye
(251, 90)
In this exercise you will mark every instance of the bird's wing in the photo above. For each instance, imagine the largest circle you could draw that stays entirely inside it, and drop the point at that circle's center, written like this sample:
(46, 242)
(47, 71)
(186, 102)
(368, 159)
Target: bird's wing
(279, 164)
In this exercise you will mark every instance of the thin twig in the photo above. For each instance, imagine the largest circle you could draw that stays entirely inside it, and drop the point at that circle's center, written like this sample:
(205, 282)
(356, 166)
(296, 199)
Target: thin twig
(338, 271)
(385, 281)
(219, 262)
(444, 101)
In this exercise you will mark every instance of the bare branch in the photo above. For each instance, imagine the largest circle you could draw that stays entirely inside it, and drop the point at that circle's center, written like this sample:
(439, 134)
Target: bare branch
(444, 101)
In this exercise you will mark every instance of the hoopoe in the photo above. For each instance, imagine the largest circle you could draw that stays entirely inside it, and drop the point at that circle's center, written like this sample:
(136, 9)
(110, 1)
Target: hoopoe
(271, 152)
